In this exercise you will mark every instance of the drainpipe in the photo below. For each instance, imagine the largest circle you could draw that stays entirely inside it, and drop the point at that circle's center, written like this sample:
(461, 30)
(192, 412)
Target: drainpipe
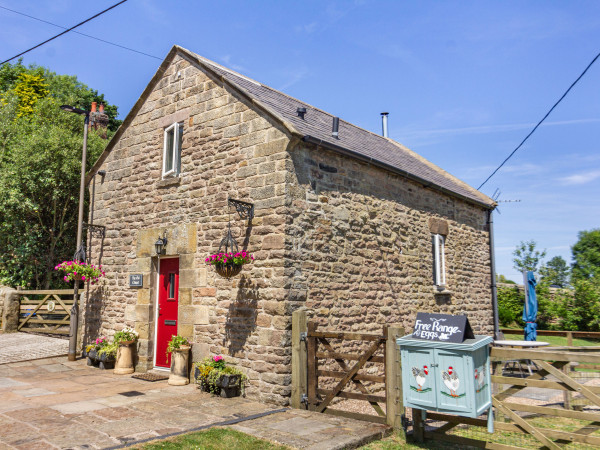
(493, 273)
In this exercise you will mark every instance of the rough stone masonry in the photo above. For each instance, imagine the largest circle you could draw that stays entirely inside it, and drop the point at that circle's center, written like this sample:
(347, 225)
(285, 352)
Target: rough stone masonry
(349, 241)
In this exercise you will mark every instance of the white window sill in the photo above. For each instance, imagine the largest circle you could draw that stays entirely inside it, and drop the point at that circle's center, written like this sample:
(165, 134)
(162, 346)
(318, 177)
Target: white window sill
(441, 290)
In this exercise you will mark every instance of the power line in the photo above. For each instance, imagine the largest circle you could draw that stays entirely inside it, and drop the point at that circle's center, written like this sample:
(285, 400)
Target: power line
(64, 32)
(82, 34)
(543, 118)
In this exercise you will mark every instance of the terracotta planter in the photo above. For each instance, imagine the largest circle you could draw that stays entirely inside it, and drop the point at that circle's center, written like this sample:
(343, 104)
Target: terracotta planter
(228, 271)
(180, 359)
(124, 363)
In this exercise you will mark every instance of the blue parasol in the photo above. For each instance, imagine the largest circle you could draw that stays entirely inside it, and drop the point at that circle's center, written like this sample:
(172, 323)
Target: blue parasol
(531, 307)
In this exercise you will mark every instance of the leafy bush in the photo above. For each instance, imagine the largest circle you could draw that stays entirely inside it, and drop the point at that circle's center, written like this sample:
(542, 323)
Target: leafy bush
(510, 306)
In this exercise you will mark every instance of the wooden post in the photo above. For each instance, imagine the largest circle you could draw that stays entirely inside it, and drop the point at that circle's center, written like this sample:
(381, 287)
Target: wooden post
(311, 351)
(299, 361)
(569, 338)
(393, 378)
(418, 425)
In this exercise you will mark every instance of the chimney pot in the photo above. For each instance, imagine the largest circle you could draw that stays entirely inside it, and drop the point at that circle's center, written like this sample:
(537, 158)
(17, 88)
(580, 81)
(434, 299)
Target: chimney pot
(336, 127)
(94, 104)
(101, 107)
(384, 124)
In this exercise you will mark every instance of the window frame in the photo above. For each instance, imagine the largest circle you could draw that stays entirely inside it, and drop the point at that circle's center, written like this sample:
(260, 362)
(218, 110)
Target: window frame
(439, 260)
(177, 143)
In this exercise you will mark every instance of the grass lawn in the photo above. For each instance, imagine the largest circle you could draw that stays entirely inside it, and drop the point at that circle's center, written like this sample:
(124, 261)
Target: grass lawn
(213, 439)
(553, 340)
(397, 442)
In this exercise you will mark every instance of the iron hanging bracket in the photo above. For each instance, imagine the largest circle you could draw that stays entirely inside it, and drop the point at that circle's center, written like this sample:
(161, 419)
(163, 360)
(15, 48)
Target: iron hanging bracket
(244, 209)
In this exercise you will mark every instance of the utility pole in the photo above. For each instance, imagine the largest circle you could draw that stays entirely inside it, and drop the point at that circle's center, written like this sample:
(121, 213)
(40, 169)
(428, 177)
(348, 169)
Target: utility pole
(80, 252)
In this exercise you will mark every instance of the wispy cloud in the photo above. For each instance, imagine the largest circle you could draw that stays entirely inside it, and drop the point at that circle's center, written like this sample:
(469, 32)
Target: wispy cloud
(296, 75)
(581, 178)
(227, 61)
(309, 28)
(407, 133)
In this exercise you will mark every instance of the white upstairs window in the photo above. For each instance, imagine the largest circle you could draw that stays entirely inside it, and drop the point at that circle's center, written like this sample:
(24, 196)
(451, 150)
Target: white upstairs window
(439, 262)
(172, 150)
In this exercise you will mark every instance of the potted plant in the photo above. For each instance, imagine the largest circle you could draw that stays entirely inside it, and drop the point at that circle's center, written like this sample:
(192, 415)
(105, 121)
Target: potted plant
(80, 271)
(102, 353)
(229, 264)
(179, 348)
(125, 340)
(215, 376)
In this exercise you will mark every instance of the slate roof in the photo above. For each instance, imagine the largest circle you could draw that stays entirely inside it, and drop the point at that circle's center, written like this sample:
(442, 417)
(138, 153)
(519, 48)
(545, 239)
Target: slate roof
(317, 124)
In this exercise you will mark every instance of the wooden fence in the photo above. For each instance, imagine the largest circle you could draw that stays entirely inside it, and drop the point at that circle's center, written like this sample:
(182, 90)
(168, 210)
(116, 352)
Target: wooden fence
(315, 351)
(549, 426)
(45, 311)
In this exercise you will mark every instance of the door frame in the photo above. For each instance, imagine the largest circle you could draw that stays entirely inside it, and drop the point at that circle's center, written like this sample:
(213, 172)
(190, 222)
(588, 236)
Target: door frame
(154, 366)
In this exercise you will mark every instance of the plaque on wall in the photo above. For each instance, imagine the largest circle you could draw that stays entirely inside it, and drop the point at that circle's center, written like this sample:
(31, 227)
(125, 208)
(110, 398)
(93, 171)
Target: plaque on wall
(136, 280)
(442, 328)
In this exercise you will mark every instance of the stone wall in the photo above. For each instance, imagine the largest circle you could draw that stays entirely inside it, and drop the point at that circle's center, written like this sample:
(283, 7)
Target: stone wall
(359, 243)
(228, 150)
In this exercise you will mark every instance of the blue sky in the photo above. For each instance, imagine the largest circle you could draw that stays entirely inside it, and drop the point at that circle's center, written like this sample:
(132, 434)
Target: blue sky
(464, 82)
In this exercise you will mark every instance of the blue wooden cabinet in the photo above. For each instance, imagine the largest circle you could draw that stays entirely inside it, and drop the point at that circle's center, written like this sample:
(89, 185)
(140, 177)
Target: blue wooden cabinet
(447, 377)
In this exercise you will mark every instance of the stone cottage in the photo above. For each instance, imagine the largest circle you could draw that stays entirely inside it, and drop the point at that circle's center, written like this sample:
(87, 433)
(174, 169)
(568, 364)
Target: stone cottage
(355, 227)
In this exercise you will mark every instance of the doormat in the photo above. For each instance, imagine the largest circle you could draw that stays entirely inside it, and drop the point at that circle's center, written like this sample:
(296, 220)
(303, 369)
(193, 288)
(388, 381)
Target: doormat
(150, 376)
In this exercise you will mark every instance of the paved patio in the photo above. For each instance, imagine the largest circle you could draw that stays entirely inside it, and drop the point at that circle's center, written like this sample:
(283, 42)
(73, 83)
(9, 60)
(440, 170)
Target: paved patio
(54, 403)
(15, 347)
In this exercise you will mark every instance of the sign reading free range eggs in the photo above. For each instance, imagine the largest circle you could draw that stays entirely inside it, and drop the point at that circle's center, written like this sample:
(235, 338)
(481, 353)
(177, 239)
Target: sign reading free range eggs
(442, 328)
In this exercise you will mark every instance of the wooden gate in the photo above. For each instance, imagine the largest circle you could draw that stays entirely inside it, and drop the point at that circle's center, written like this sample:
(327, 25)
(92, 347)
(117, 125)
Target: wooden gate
(515, 418)
(319, 347)
(45, 311)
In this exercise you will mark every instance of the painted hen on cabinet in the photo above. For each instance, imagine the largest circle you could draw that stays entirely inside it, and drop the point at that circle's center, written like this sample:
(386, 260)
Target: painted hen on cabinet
(420, 376)
(451, 381)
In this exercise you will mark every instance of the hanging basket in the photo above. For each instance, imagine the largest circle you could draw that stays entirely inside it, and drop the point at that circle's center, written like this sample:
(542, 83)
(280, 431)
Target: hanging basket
(228, 270)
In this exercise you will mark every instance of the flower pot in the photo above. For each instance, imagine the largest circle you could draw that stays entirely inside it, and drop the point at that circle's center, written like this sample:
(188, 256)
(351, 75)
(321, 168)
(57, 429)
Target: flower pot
(124, 363)
(228, 271)
(179, 366)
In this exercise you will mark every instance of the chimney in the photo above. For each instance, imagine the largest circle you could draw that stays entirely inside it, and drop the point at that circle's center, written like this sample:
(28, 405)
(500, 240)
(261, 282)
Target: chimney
(384, 125)
(94, 106)
(336, 127)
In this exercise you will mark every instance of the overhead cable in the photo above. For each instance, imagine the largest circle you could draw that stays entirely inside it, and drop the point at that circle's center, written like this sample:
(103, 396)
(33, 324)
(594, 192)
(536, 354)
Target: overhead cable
(64, 32)
(540, 122)
(82, 34)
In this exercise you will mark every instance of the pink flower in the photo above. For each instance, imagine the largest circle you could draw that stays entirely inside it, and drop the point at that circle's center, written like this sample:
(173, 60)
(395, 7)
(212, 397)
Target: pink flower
(217, 358)
(65, 278)
(83, 277)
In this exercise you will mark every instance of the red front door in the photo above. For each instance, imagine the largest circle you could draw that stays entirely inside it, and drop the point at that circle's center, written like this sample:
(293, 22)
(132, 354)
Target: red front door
(168, 299)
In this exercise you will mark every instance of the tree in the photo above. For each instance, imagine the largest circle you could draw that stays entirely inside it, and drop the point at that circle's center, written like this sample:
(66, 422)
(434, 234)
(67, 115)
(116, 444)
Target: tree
(502, 279)
(526, 257)
(555, 272)
(586, 255)
(40, 164)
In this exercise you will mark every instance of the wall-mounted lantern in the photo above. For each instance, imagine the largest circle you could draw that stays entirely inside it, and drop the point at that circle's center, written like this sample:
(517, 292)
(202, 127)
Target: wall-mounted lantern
(161, 244)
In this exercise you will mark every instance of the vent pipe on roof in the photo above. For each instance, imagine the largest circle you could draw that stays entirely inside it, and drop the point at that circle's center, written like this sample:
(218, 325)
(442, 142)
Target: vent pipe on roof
(301, 111)
(384, 125)
(336, 127)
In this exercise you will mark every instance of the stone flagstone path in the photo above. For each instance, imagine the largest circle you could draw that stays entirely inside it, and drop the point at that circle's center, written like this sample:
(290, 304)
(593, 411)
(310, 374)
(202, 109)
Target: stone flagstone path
(53, 403)
(15, 347)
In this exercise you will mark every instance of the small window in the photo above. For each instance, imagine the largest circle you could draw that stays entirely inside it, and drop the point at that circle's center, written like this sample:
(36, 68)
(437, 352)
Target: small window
(172, 150)
(439, 260)
(171, 285)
